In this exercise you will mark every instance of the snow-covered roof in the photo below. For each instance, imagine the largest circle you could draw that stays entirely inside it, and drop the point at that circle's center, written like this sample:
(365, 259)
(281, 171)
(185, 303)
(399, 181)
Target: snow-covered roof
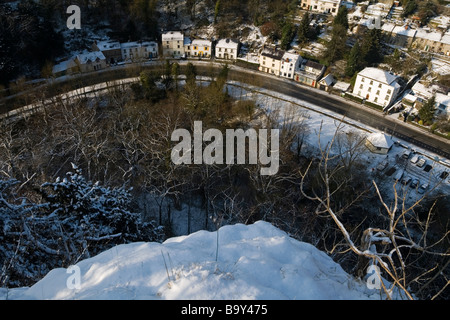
(428, 35)
(421, 90)
(380, 140)
(341, 85)
(387, 27)
(201, 43)
(108, 45)
(90, 57)
(404, 31)
(328, 80)
(172, 36)
(290, 57)
(227, 43)
(445, 38)
(378, 75)
(64, 65)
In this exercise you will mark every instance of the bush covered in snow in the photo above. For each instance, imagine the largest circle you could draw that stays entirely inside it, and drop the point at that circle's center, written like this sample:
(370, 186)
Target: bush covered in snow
(75, 219)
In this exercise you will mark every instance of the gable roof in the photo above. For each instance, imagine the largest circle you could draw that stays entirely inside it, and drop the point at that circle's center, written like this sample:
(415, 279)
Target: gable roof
(379, 75)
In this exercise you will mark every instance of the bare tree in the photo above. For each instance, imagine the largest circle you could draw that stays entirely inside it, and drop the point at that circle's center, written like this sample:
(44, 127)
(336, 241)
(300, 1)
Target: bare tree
(386, 246)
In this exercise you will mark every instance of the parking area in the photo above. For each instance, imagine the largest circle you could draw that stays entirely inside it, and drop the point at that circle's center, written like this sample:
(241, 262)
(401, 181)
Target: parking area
(415, 172)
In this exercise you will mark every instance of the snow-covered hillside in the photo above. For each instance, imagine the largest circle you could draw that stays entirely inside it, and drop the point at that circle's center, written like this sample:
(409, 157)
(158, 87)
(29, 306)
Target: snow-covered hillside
(255, 261)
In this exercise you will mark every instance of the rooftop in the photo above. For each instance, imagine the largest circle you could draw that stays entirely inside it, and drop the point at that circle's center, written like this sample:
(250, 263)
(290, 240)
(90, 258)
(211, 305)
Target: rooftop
(378, 75)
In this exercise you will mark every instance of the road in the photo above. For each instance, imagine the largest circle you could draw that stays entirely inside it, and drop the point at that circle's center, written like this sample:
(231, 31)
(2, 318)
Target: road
(349, 109)
(352, 110)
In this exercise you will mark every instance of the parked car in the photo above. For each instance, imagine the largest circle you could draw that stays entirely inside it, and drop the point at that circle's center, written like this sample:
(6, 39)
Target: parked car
(406, 154)
(423, 188)
(415, 159)
(414, 183)
(421, 162)
(382, 165)
(406, 180)
(399, 175)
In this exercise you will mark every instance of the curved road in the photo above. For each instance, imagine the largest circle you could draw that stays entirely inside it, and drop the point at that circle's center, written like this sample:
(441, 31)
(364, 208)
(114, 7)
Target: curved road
(339, 105)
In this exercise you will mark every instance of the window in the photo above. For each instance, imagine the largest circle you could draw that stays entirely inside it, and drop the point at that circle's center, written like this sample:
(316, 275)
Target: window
(376, 99)
(380, 85)
(370, 89)
(362, 79)
(389, 91)
(361, 86)
(378, 92)
(220, 49)
(387, 97)
(371, 81)
(359, 93)
(206, 48)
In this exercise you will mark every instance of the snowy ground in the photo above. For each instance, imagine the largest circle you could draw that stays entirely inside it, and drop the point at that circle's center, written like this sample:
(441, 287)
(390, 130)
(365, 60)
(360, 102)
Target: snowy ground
(255, 262)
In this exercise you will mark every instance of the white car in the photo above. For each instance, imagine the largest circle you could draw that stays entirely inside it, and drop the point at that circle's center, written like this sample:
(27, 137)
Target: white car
(423, 188)
(415, 159)
(421, 162)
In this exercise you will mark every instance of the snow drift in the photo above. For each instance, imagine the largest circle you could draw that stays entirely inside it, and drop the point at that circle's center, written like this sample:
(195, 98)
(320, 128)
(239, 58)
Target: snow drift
(255, 261)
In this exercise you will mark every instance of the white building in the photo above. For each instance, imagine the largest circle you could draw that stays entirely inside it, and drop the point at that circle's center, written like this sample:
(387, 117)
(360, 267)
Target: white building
(377, 86)
(91, 61)
(199, 48)
(227, 49)
(139, 50)
(324, 6)
(270, 60)
(290, 62)
(173, 44)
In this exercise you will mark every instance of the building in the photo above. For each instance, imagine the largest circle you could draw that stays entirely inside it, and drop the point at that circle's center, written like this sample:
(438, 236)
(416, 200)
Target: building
(270, 60)
(227, 49)
(377, 86)
(379, 143)
(321, 6)
(290, 62)
(327, 82)
(136, 51)
(110, 49)
(199, 48)
(65, 67)
(427, 40)
(173, 44)
(92, 61)
(309, 73)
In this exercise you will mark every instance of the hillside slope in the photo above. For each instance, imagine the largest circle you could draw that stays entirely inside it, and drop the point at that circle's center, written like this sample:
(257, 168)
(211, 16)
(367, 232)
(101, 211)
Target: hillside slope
(255, 261)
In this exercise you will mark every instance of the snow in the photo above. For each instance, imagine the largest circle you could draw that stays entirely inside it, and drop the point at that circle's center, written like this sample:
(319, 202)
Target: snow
(381, 140)
(255, 262)
(378, 75)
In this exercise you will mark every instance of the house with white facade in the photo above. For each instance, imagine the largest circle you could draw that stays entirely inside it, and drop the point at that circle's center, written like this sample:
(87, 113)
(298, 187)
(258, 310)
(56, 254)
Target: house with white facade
(199, 48)
(173, 44)
(377, 86)
(322, 6)
(227, 49)
(135, 51)
(270, 60)
(290, 62)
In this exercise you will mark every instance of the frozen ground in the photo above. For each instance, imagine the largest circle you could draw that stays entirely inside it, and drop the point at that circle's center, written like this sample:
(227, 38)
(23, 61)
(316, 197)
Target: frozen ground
(255, 262)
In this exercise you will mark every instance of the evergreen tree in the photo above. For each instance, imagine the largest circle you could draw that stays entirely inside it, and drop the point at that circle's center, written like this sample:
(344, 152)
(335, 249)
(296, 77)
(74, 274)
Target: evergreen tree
(336, 47)
(354, 60)
(304, 29)
(371, 47)
(428, 110)
(341, 17)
